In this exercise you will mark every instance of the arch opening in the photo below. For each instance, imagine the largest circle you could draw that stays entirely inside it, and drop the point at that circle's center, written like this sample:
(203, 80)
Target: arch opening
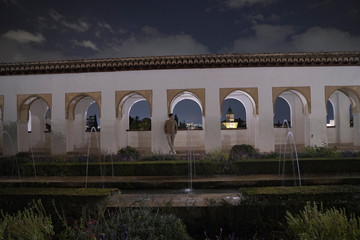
(282, 112)
(35, 131)
(340, 118)
(134, 119)
(293, 106)
(351, 116)
(83, 126)
(188, 111)
(233, 114)
(188, 114)
(330, 119)
(92, 117)
(245, 114)
(139, 116)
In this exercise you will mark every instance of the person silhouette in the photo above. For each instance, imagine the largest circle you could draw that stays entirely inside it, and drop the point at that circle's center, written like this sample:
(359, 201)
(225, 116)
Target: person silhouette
(170, 129)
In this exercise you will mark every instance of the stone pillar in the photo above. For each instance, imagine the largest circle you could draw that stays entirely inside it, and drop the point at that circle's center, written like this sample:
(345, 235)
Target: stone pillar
(108, 123)
(307, 135)
(121, 133)
(318, 133)
(266, 120)
(212, 120)
(58, 124)
(159, 116)
(23, 136)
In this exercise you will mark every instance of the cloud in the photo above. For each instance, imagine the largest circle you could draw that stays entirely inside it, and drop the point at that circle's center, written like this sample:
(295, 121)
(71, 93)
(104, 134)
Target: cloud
(326, 39)
(106, 26)
(255, 17)
(150, 30)
(150, 42)
(13, 2)
(267, 38)
(12, 51)
(24, 36)
(86, 44)
(79, 26)
(242, 3)
(284, 38)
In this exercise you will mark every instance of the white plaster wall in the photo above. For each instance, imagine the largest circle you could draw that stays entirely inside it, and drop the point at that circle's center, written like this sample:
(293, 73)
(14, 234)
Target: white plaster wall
(140, 140)
(230, 138)
(189, 140)
(160, 80)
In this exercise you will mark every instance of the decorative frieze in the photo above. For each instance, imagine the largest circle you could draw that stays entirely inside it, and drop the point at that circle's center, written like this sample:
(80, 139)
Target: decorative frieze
(181, 62)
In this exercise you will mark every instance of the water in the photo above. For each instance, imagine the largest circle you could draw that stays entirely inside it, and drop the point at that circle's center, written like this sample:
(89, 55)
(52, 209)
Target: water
(93, 130)
(191, 163)
(13, 151)
(30, 148)
(293, 153)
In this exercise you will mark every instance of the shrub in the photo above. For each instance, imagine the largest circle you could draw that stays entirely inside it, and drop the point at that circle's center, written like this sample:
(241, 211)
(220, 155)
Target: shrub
(159, 157)
(129, 224)
(322, 151)
(33, 218)
(128, 153)
(242, 151)
(217, 155)
(314, 223)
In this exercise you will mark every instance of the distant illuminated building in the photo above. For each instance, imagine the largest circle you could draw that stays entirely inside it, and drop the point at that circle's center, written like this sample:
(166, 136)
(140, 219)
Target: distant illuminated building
(230, 120)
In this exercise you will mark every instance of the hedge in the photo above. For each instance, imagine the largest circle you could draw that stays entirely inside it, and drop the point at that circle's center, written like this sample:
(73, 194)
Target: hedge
(70, 200)
(180, 168)
(262, 210)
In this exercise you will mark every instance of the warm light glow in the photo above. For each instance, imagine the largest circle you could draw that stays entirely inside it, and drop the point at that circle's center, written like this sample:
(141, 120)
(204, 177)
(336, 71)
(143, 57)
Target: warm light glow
(230, 124)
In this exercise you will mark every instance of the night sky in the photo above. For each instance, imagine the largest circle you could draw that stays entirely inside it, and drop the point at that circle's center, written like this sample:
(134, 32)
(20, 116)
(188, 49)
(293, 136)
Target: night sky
(43, 30)
(34, 30)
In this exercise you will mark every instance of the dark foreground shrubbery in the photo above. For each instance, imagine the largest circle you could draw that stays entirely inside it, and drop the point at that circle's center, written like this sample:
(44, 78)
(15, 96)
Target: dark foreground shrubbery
(128, 153)
(127, 223)
(30, 223)
(242, 151)
(316, 223)
(124, 223)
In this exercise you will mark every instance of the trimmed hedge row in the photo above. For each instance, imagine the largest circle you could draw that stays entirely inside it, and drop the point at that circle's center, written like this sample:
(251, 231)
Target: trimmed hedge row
(71, 201)
(262, 210)
(159, 168)
(332, 194)
(180, 168)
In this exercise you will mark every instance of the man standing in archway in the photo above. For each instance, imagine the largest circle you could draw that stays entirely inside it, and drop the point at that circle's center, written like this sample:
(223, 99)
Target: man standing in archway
(170, 129)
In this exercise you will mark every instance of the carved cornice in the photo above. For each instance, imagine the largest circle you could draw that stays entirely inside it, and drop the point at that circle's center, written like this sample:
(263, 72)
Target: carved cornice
(24, 102)
(120, 96)
(253, 92)
(71, 99)
(198, 92)
(182, 62)
(304, 91)
(353, 92)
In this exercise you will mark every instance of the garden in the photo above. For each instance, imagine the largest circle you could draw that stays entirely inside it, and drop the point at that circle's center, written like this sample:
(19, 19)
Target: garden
(326, 209)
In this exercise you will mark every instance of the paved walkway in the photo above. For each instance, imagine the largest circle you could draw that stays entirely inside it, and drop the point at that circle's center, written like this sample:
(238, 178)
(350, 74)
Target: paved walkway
(159, 181)
(166, 191)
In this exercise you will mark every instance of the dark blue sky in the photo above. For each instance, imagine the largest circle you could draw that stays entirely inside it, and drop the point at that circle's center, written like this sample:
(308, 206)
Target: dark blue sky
(63, 29)
(42, 30)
